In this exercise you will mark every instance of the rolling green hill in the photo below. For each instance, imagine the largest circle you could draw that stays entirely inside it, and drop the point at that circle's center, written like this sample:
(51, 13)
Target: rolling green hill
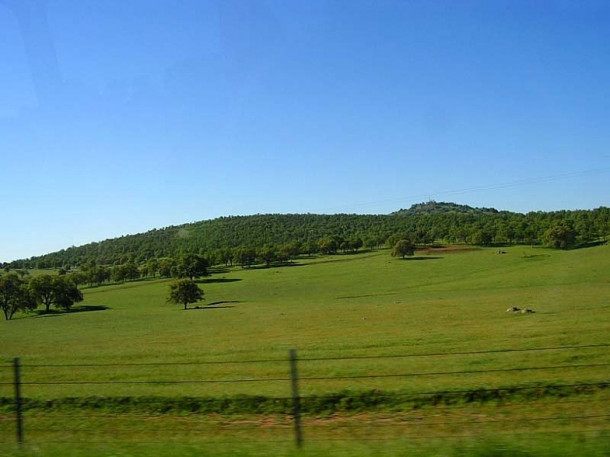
(423, 223)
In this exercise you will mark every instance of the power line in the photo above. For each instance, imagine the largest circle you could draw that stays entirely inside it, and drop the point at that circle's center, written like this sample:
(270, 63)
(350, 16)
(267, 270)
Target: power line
(444, 354)
(480, 188)
(313, 378)
(446, 373)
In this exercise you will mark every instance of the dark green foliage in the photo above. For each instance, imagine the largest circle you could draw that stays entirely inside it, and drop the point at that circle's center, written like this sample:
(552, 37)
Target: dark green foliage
(403, 248)
(268, 254)
(343, 401)
(222, 240)
(184, 291)
(151, 268)
(12, 289)
(165, 267)
(433, 207)
(43, 290)
(482, 237)
(15, 295)
(94, 274)
(126, 272)
(190, 266)
(560, 236)
(60, 291)
(245, 256)
(66, 293)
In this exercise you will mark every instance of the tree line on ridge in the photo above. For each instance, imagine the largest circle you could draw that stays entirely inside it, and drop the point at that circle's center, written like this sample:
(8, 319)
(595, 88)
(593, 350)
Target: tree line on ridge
(274, 237)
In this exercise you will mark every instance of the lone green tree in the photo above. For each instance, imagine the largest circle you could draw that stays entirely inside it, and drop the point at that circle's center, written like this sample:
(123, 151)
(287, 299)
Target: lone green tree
(43, 290)
(403, 248)
(60, 291)
(183, 292)
(66, 293)
(15, 295)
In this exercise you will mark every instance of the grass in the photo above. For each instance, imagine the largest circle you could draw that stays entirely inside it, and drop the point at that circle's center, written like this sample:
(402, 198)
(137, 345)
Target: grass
(369, 304)
(535, 428)
(423, 434)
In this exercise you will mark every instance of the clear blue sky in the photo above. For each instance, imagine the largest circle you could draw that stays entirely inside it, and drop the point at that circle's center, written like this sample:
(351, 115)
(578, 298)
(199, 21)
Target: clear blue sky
(117, 117)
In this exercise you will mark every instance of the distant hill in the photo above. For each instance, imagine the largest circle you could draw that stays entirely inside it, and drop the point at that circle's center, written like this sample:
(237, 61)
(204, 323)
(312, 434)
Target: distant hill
(433, 207)
(423, 223)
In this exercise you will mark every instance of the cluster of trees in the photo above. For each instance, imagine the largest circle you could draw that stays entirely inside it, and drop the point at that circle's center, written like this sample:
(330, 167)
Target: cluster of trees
(275, 237)
(18, 292)
(21, 293)
(187, 266)
(188, 251)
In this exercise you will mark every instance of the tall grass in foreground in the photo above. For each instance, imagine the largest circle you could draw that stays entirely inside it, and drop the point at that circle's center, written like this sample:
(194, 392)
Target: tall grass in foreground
(528, 426)
(541, 446)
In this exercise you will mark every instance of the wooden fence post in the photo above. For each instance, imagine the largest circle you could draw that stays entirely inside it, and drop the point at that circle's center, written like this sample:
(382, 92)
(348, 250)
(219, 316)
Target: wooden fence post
(18, 400)
(296, 399)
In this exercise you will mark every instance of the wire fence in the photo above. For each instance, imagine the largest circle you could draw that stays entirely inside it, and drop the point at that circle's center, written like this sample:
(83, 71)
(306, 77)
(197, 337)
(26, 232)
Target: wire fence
(395, 396)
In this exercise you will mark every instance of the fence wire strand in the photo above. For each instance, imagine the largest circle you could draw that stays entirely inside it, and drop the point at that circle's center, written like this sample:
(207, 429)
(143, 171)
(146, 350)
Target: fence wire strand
(411, 421)
(312, 359)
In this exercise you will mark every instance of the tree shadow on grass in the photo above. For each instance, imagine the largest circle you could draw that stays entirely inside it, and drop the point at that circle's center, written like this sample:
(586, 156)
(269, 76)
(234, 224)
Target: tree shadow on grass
(276, 265)
(428, 257)
(88, 308)
(75, 309)
(535, 256)
(217, 280)
(215, 305)
(591, 244)
(349, 297)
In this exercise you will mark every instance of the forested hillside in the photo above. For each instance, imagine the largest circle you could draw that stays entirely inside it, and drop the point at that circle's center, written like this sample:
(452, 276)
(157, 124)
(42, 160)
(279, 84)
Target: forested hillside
(286, 235)
(432, 207)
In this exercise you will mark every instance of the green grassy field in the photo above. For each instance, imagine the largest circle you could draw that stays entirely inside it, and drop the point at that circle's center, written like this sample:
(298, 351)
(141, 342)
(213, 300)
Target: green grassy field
(344, 308)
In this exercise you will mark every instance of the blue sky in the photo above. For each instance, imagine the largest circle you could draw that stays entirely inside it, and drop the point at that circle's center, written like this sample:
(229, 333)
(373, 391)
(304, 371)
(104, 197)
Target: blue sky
(117, 117)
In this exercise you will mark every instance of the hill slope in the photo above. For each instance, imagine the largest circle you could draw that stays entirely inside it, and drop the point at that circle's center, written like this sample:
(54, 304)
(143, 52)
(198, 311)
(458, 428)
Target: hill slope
(422, 223)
